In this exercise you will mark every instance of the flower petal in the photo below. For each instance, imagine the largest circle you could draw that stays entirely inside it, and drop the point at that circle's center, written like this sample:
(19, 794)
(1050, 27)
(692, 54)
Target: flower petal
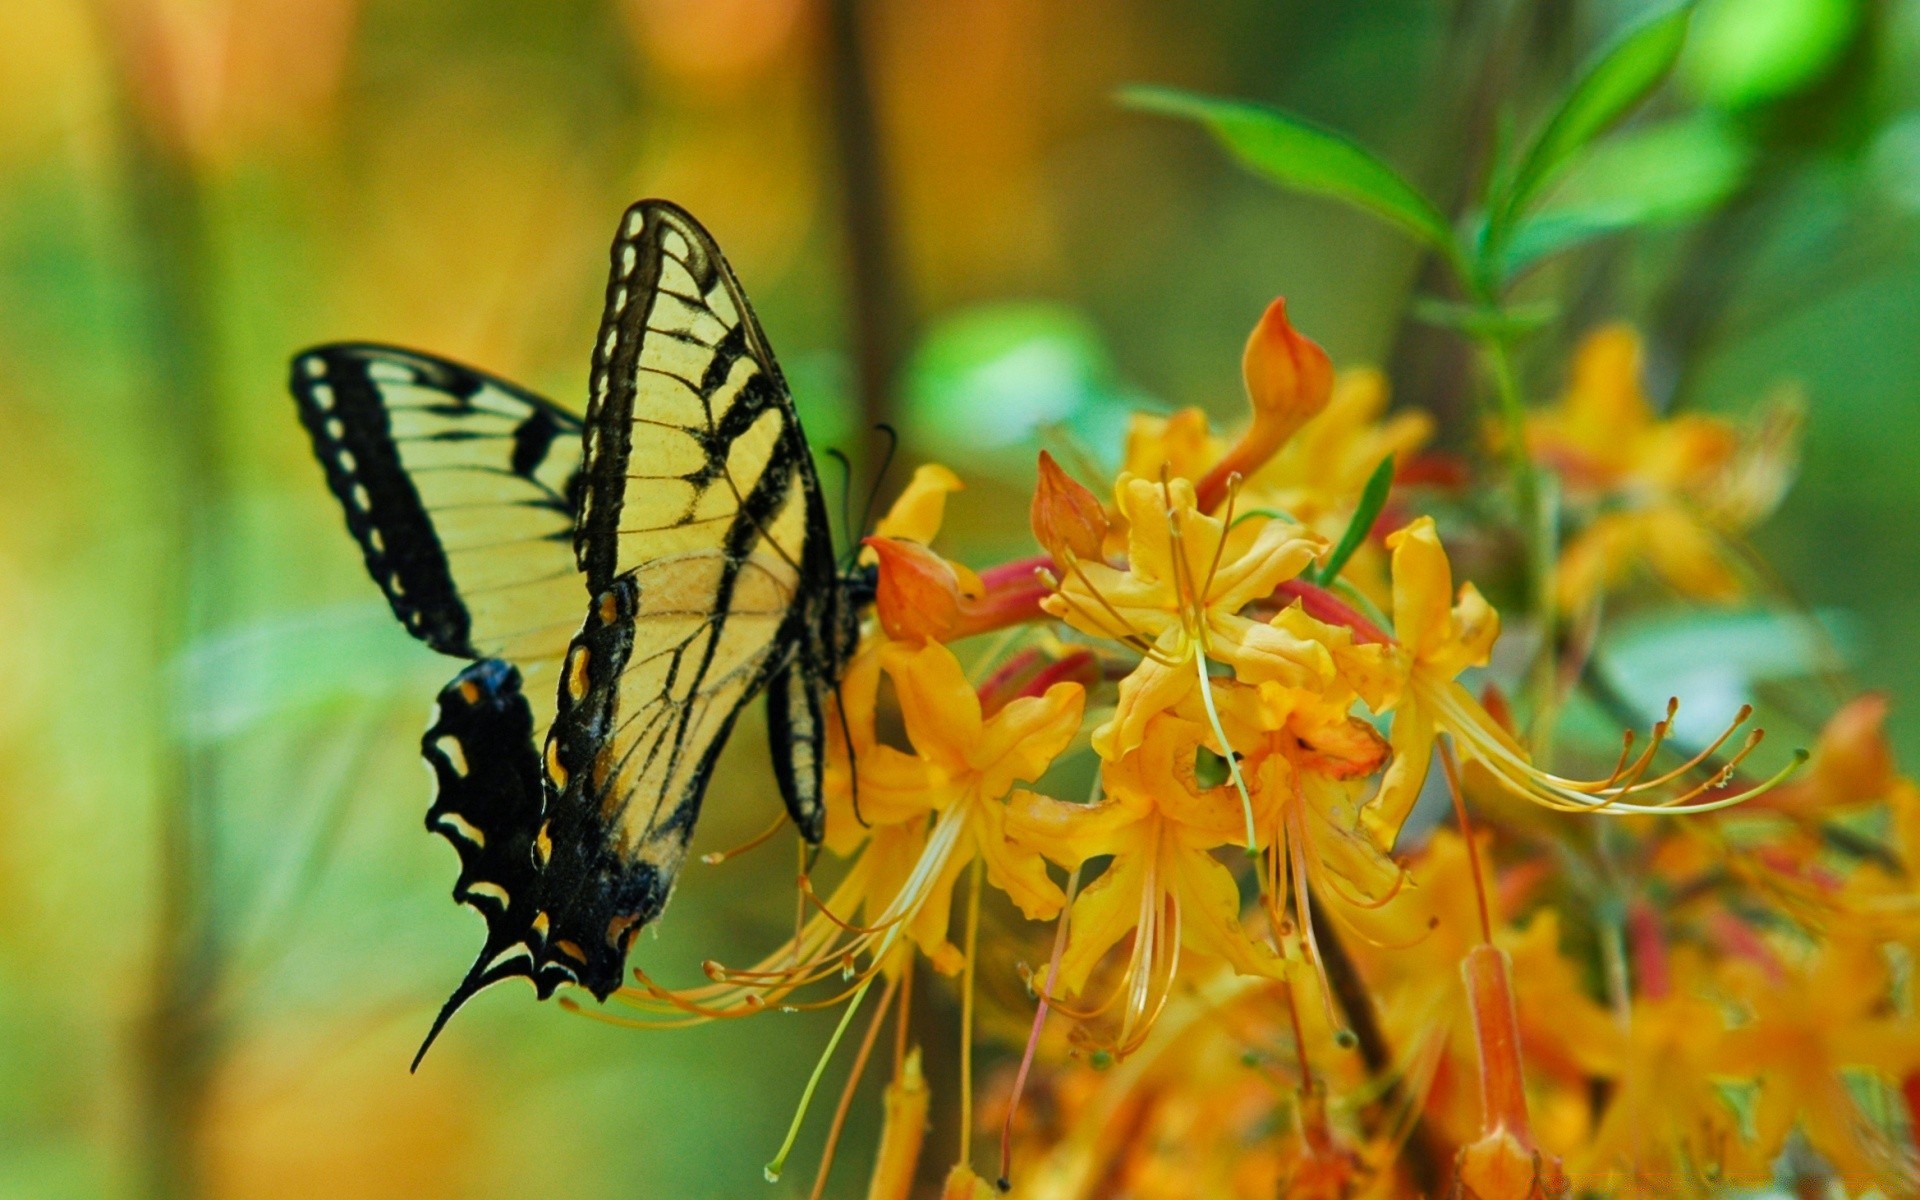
(1106, 910)
(921, 506)
(1024, 737)
(937, 704)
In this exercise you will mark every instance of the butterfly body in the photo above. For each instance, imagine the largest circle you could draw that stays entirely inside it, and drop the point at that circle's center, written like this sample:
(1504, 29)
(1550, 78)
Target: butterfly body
(682, 516)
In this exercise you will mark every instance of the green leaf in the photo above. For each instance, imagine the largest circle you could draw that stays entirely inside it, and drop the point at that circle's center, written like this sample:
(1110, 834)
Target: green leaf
(1373, 498)
(1298, 154)
(1747, 53)
(1662, 174)
(1619, 79)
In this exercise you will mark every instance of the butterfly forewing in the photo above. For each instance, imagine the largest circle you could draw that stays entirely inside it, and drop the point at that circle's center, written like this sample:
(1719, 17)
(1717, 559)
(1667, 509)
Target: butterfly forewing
(700, 514)
(460, 489)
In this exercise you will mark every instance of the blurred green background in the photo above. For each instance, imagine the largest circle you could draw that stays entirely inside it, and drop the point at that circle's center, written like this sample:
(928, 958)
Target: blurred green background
(222, 927)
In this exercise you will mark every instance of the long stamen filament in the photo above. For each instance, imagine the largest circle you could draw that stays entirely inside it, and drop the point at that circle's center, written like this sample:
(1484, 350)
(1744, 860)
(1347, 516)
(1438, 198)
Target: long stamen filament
(772, 1169)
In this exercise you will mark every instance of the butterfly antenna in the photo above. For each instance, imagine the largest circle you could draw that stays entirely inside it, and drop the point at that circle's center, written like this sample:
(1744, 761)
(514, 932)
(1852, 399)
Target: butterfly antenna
(880, 476)
(849, 538)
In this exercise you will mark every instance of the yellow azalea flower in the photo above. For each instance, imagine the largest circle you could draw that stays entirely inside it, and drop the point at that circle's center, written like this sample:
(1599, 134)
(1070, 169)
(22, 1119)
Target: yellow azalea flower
(1439, 635)
(954, 786)
(1178, 603)
(1663, 492)
(911, 825)
(1310, 761)
(1163, 886)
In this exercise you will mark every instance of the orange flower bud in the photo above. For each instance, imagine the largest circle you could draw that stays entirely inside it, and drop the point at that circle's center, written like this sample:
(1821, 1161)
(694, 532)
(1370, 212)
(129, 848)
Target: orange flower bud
(1289, 380)
(1289, 377)
(922, 596)
(1067, 518)
(918, 595)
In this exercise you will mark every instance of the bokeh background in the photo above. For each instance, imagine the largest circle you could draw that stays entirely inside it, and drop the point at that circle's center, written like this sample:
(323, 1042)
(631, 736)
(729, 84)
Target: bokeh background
(222, 927)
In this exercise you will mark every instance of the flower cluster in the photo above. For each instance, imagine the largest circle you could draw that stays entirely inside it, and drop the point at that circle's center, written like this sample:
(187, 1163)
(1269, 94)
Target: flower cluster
(1197, 756)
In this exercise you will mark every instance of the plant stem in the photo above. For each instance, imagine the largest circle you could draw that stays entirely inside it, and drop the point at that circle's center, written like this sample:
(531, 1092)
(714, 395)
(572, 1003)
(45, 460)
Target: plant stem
(179, 1039)
(1422, 1159)
(1537, 536)
(874, 297)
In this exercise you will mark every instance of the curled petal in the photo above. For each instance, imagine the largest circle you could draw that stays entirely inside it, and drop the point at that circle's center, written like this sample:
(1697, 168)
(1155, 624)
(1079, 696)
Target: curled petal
(1025, 736)
(1210, 916)
(1070, 834)
(1152, 688)
(937, 704)
(1014, 867)
(1411, 737)
(1105, 911)
(921, 506)
(1261, 653)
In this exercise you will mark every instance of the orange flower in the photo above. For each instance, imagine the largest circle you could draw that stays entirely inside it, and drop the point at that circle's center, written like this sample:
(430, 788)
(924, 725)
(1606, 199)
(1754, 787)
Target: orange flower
(1663, 492)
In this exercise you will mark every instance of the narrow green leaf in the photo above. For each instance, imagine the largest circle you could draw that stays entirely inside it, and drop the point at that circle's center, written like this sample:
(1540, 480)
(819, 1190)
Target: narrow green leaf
(1620, 77)
(1296, 153)
(1373, 498)
(1658, 175)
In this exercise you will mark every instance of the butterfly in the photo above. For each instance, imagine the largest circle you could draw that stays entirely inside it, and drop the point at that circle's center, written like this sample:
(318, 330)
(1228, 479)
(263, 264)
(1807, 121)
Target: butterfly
(652, 568)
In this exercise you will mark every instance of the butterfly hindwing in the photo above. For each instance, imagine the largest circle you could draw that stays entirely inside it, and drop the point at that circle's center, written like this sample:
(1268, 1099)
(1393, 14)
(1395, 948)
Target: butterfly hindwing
(460, 489)
(490, 806)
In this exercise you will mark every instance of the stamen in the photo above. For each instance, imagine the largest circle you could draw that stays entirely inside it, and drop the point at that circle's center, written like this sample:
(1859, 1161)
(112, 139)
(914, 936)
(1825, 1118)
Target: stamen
(976, 879)
(1121, 631)
(1005, 1181)
(772, 1169)
(846, 1094)
(812, 897)
(1220, 547)
(717, 857)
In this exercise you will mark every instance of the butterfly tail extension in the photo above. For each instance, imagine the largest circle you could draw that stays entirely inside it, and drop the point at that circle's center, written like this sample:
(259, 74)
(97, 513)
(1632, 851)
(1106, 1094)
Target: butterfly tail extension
(489, 805)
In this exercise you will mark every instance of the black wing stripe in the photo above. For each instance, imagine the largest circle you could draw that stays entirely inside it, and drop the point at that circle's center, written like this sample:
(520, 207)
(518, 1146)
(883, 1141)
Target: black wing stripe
(450, 481)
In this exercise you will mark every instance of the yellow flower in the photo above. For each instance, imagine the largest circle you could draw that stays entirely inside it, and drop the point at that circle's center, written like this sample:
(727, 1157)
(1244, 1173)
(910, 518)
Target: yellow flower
(954, 785)
(1439, 637)
(1163, 886)
(1178, 603)
(911, 825)
(1663, 492)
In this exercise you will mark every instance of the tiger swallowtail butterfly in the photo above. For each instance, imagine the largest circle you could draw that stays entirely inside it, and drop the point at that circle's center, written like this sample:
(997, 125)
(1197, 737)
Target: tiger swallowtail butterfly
(682, 516)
